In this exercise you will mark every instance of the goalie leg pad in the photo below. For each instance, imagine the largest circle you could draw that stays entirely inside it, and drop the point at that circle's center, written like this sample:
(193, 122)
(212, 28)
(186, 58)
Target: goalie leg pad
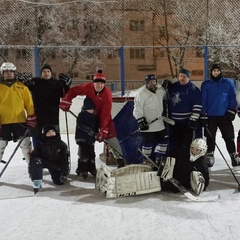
(166, 168)
(197, 182)
(133, 184)
(103, 173)
(130, 169)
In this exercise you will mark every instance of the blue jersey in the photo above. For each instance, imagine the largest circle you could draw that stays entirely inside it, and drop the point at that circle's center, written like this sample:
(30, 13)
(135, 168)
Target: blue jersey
(218, 97)
(185, 100)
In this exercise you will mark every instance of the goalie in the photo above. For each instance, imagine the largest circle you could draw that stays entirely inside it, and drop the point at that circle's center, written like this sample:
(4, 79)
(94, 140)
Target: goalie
(139, 179)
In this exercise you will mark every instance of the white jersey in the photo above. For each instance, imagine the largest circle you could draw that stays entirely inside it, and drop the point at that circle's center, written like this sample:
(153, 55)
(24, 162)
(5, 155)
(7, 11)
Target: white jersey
(150, 105)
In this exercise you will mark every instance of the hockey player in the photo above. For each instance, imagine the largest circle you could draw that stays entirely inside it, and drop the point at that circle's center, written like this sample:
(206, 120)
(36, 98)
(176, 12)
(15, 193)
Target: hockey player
(51, 153)
(16, 111)
(148, 105)
(46, 92)
(219, 110)
(102, 98)
(86, 129)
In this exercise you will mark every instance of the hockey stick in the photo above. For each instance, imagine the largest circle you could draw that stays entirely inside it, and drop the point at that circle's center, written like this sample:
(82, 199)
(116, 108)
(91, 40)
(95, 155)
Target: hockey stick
(180, 187)
(14, 151)
(66, 119)
(225, 160)
(165, 119)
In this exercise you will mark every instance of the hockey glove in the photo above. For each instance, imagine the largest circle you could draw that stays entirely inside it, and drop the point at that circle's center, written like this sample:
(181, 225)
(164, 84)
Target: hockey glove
(193, 121)
(166, 84)
(31, 121)
(142, 123)
(65, 105)
(65, 79)
(102, 134)
(204, 120)
(230, 115)
(26, 80)
(63, 179)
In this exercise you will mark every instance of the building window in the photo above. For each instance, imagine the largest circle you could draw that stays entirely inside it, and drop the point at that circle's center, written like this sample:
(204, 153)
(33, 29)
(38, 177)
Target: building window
(199, 52)
(136, 25)
(162, 31)
(74, 75)
(137, 53)
(22, 54)
(115, 53)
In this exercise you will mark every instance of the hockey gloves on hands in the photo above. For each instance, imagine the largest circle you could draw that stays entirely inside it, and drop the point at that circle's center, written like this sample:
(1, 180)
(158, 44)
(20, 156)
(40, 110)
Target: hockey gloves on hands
(102, 134)
(65, 79)
(26, 80)
(230, 115)
(142, 123)
(31, 121)
(204, 120)
(166, 84)
(193, 121)
(65, 105)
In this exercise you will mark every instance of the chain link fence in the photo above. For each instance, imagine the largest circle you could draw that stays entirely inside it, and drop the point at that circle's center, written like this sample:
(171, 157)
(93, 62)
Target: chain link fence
(127, 39)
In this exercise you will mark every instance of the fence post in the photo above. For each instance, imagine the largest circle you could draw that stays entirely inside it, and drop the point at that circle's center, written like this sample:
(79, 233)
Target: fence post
(122, 70)
(36, 60)
(205, 62)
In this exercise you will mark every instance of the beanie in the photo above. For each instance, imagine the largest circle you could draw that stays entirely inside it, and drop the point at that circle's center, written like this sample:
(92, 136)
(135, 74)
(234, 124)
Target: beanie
(99, 77)
(48, 127)
(215, 66)
(88, 104)
(46, 66)
(185, 71)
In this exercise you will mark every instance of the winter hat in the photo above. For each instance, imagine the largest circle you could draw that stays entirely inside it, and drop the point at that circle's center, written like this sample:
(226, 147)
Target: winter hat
(46, 66)
(99, 77)
(88, 104)
(48, 127)
(215, 66)
(185, 71)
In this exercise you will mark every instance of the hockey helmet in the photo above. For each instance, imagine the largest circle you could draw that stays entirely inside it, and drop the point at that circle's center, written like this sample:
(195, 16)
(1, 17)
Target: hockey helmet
(198, 149)
(149, 78)
(7, 66)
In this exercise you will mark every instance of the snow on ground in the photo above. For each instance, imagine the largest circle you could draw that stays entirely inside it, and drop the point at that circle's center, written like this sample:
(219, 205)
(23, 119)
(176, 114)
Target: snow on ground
(77, 211)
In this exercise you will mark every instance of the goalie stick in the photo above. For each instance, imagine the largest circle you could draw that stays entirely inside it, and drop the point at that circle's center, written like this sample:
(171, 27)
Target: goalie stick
(165, 119)
(180, 187)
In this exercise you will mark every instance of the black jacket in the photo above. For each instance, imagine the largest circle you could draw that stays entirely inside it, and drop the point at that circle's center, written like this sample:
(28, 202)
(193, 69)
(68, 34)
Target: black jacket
(46, 96)
(54, 152)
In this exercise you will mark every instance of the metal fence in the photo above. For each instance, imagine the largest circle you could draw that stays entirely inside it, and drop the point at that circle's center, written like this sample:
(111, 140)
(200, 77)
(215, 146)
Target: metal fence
(127, 39)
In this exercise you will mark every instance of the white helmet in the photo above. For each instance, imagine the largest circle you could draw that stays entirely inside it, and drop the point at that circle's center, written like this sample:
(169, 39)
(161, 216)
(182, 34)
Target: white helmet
(8, 66)
(198, 148)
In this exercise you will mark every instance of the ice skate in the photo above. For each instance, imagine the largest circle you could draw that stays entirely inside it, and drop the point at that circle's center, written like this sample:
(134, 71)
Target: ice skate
(37, 184)
(235, 159)
(84, 175)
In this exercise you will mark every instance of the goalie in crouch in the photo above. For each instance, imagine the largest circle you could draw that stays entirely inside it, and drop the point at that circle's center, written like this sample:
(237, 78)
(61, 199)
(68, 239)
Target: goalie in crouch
(136, 179)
